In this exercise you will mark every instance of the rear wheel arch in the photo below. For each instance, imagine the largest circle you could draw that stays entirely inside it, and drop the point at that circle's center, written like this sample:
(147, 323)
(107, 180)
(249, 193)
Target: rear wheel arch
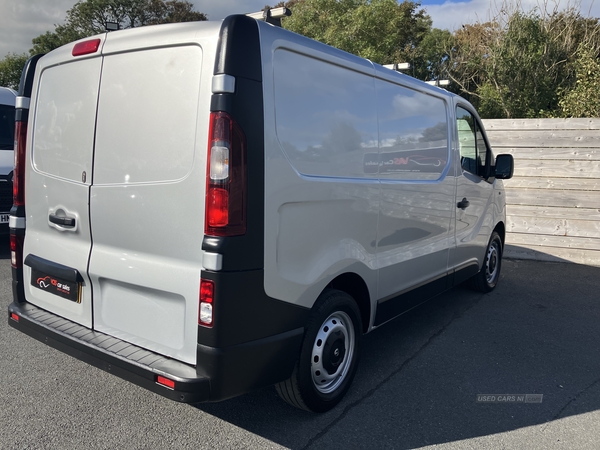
(353, 285)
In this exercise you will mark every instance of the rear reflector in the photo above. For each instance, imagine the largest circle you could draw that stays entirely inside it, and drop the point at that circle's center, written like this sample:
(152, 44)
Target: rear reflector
(14, 317)
(86, 47)
(165, 382)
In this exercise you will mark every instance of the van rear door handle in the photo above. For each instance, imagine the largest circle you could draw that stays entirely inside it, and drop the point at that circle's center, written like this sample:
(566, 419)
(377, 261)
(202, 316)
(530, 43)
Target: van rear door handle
(68, 222)
(463, 204)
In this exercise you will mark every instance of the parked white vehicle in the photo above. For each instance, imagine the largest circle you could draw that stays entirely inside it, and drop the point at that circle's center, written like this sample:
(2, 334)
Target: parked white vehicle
(7, 138)
(213, 207)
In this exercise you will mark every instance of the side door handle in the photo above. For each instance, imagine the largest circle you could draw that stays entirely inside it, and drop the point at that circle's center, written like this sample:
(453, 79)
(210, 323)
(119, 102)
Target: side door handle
(68, 222)
(463, 204)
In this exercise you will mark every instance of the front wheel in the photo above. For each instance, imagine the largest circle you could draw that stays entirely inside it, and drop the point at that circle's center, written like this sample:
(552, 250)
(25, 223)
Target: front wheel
(487, 278)
(329, 355)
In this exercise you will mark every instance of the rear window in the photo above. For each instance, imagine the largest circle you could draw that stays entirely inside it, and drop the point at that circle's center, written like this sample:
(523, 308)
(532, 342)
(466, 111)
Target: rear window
(7, 127)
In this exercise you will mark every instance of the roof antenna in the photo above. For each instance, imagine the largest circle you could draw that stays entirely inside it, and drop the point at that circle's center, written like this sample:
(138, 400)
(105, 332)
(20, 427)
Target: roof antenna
(272, 15)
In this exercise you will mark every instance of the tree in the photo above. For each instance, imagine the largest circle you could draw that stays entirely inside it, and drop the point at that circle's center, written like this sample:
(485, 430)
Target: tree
(584, 99)
(10, 70)
(515, 65)
(430, 56)
(89, 17)
(383, 31)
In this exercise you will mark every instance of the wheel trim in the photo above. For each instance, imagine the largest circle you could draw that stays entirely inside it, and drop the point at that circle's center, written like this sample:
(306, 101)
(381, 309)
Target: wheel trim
(336, 323)
(492, 262)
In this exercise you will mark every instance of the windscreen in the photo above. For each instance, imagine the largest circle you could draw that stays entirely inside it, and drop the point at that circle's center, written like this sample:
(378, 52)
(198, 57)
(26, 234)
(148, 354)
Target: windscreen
(7, 127)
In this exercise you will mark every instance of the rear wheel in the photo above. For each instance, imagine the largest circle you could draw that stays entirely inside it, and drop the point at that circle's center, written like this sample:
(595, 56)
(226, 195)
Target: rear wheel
(488, 276)
(329, 355)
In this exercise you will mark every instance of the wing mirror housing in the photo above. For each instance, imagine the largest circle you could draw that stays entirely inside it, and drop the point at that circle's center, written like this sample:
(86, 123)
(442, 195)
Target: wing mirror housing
(505, 166)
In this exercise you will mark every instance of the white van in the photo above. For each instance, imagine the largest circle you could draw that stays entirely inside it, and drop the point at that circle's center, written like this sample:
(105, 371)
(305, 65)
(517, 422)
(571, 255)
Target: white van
(208, 208)
(7, 139)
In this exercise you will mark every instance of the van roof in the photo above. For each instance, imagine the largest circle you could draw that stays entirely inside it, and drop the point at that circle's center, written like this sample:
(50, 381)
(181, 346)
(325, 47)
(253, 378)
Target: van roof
(7, 96)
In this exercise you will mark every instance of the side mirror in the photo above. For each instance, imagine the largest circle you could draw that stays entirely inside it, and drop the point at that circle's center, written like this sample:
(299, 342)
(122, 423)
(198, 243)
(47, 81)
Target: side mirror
(505, 166)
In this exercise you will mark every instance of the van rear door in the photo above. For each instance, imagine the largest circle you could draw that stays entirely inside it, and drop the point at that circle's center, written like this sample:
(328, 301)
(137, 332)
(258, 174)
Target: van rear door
(147, 200)
(58, 240)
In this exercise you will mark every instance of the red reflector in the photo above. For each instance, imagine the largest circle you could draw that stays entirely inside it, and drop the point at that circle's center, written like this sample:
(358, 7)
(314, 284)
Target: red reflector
(14, 317)
(86, 47)
(165, 382)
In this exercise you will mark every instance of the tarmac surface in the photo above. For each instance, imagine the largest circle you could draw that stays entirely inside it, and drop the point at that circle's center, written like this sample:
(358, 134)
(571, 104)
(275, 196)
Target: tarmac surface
(418, 383)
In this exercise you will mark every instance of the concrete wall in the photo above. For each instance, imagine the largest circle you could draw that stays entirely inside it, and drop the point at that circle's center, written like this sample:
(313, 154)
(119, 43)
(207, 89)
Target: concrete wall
(554, 197)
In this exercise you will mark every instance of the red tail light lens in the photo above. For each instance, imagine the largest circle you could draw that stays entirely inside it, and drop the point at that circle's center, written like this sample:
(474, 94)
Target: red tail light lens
(19, 172)
(225, 212)
(86, 47)
(16, 251)
(207, 294)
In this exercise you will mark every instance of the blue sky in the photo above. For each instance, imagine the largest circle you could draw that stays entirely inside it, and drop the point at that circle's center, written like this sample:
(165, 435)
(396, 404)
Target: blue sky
(22, 20)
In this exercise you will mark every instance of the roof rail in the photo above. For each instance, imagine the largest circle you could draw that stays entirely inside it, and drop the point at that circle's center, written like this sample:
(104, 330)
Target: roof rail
(272, 15)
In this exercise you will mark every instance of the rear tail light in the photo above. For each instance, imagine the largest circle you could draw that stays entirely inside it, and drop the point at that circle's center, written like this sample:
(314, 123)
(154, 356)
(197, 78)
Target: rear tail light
(19, 172)
(16, 251)
(225, 212)
(207, 295)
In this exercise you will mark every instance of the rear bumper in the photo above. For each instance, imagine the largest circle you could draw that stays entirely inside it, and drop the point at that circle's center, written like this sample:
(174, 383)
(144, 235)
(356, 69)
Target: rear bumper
(224, 373)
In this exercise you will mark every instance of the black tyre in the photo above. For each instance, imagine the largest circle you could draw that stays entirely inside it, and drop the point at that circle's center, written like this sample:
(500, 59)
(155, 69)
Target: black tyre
(329, 355)
(487, 278)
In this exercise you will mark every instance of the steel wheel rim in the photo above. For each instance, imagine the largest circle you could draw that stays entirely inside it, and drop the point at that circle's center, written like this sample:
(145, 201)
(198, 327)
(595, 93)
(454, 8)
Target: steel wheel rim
(336, 325)
(492, 262)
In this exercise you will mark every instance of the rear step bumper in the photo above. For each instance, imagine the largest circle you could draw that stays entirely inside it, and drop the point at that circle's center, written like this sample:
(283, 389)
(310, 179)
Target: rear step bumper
(224, 373)
(113, 355)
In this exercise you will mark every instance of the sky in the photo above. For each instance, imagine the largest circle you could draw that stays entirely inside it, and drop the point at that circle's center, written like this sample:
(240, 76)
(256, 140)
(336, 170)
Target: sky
(22, 20)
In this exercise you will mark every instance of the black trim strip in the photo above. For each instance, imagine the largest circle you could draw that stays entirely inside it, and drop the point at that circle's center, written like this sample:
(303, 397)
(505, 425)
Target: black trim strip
(52, 268)
(392, 307)
(238, 48)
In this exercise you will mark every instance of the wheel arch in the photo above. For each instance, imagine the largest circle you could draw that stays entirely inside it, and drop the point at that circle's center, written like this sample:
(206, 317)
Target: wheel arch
(501, 230)
(353, 285)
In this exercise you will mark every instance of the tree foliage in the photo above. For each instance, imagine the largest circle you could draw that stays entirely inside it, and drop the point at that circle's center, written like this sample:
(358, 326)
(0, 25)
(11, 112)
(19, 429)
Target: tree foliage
(584, 99)
(516, 65)
(383, 31)
(10, 70)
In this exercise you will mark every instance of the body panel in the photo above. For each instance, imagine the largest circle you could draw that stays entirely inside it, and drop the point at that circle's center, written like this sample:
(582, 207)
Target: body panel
(61, 145)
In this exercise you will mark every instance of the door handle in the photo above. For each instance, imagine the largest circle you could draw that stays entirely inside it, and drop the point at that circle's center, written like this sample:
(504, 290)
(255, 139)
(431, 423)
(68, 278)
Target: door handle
(463, 204)
(68, 222)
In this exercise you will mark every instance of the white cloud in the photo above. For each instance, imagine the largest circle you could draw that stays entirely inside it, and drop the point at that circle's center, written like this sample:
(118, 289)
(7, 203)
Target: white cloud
(21, 21)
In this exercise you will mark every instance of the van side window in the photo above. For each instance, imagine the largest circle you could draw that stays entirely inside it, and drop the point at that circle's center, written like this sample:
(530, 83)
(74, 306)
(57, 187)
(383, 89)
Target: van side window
(473, 150)
(326, 116)
(413, 133)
